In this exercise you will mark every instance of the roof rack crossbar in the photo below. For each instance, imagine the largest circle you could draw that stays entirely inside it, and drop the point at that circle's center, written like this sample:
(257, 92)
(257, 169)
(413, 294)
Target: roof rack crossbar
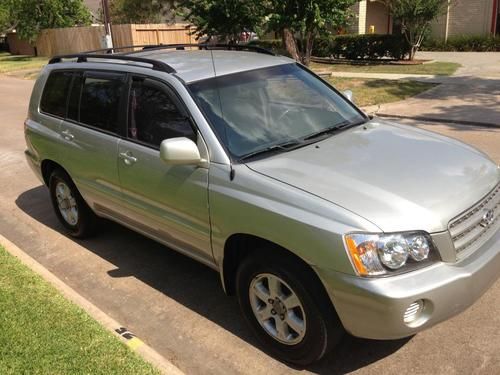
(205, 46)
(83, 57)
(182, 46)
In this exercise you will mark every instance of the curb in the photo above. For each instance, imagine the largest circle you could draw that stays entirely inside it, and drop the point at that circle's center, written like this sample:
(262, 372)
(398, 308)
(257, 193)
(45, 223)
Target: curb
(439, 120)
(127, 337)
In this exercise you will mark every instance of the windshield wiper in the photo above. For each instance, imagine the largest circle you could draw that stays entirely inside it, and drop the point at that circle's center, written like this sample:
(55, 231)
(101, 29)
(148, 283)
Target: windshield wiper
(333, 129)
(284, 146)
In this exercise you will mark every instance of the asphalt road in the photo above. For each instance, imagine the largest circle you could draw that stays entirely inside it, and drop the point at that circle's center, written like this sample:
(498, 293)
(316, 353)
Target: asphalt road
(177, 305)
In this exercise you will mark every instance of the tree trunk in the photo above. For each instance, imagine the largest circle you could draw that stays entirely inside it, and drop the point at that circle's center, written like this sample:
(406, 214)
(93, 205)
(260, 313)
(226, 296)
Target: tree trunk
(291, 44)
(308, 50)
(413, 51)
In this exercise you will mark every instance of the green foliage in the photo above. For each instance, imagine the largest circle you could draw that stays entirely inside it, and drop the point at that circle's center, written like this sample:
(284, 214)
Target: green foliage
(139, 11)
(307, 19)
(8, 15)
(352, 47)
(303, 17)
(464, 43)
(362, 47)
(415, 17)
(29, 17)
(294, 19)
(225, 19)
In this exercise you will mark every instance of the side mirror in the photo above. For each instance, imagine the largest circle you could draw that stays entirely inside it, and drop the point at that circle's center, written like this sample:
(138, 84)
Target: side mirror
(349, 95)
(179, 151)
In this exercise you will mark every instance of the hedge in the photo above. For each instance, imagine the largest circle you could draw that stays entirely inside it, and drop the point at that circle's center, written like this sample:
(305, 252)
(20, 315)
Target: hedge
(362, 47)
(352, 47)
(464, 43)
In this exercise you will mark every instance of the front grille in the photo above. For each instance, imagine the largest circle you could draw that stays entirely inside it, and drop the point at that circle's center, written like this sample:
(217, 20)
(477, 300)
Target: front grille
(478, 223)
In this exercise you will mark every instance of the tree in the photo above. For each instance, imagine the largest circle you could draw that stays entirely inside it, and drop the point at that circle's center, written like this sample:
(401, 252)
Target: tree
(29, 17)
(139, 11)
(303, 21)
(8, 15)
(224, 19)
(415, 17)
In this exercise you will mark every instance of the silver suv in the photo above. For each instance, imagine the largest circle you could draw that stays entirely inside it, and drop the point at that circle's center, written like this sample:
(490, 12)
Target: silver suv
(320, 219)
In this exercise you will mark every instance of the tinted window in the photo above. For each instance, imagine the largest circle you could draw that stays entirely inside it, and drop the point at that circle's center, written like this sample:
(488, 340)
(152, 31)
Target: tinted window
(74, 97)
(153, 116)
(100, 102)
(55, 93)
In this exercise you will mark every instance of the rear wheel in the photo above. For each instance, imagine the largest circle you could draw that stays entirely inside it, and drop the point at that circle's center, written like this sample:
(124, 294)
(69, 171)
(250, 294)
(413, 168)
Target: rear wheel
(69, 206)
(290, 313)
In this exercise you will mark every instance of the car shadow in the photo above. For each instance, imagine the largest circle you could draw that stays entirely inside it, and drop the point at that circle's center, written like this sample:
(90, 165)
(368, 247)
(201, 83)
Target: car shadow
(190, 283)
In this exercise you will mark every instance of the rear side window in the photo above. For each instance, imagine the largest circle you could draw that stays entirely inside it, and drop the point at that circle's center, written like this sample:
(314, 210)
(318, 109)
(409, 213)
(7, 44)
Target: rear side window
(55, 94)
(100, 102)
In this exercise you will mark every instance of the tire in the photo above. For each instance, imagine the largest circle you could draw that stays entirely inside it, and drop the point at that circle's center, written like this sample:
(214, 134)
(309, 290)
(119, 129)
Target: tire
(70, 208)
(321, 327)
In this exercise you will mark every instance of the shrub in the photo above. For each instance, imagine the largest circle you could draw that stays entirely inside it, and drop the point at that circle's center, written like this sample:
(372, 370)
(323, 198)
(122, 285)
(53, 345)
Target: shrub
(352, 47)
(464, 43)
(362, 47)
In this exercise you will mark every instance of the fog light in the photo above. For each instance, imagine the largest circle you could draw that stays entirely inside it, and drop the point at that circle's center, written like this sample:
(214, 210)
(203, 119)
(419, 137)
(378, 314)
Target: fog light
(413, 312)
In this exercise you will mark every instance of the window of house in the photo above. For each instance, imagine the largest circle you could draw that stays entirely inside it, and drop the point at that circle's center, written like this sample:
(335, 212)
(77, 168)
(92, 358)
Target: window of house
(153, 115)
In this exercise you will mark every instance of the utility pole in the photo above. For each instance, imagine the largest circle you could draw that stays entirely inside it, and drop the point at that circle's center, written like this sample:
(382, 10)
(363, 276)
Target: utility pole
(108, 36)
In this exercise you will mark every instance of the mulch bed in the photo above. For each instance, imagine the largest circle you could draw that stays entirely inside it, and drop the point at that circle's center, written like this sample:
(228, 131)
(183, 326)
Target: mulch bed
(328, 60)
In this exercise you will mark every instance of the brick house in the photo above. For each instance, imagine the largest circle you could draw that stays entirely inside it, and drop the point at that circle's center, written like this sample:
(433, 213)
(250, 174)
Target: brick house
(463, 17)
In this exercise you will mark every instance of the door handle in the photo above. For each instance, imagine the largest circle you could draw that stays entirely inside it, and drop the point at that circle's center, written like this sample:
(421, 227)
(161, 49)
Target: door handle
(127, 157)
(67, 135)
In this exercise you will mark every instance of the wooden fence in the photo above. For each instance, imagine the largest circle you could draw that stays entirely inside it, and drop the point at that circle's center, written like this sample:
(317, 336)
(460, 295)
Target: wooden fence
(62, 41)
(126, 35)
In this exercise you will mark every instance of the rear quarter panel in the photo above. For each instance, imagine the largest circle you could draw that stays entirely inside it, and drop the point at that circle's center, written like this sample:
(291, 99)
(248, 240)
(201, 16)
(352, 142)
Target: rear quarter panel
(41, 131)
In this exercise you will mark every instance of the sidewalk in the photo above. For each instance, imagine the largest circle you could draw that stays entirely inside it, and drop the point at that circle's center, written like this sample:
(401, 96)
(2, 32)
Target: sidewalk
(463, 100)
(471, 96)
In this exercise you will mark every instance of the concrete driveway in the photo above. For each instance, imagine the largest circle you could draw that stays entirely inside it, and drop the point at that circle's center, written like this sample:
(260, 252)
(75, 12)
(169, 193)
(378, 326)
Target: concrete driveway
(471, 96)
(177, 305)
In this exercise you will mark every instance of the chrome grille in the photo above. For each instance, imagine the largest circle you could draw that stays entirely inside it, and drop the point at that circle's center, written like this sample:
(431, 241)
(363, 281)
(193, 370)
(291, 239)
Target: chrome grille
(478, 223)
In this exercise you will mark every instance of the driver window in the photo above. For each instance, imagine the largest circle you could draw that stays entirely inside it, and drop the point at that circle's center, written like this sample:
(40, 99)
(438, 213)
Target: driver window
(153, 116)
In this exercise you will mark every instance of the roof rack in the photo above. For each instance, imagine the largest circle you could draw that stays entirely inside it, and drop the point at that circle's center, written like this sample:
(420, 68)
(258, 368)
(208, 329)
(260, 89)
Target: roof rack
(109, 53)
(205, 46)
(83, 57)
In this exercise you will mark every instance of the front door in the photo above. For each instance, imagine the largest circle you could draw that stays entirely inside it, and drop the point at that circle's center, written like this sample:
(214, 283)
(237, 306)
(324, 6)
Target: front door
(169, 203)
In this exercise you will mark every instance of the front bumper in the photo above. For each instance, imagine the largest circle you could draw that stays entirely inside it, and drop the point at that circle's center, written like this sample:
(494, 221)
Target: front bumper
(374, 308)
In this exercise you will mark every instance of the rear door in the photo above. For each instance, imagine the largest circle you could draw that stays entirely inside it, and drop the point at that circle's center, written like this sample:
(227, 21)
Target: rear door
(90, 135)
(169, 203)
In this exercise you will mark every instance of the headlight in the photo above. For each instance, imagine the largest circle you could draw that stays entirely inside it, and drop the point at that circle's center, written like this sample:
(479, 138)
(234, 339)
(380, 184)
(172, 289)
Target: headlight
(382, 254)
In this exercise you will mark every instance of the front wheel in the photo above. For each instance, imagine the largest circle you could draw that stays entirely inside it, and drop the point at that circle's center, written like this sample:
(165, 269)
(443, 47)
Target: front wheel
(281, 300)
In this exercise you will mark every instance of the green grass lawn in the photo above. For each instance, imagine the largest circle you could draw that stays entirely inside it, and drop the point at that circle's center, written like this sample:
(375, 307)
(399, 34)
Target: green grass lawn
(11, 63)
(436, 68)
(379, 91)
(43, 333)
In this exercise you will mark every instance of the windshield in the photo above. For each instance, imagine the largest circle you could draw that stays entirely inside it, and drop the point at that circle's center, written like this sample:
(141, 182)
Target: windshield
(256, 110)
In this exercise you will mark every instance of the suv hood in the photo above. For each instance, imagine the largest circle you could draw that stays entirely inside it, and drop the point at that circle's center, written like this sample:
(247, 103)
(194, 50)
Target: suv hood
(398, 177)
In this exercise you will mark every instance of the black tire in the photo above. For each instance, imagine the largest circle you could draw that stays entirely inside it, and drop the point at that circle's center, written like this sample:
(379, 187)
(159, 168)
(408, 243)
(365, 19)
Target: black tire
(85, 223)
(323, 329)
